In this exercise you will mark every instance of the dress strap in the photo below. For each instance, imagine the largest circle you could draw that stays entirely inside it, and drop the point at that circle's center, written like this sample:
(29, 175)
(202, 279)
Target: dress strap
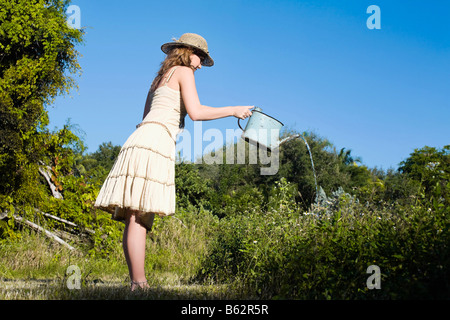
(170, 75)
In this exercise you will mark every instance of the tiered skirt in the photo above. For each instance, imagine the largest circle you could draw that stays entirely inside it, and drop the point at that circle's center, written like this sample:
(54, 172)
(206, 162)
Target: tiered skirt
(142, 178)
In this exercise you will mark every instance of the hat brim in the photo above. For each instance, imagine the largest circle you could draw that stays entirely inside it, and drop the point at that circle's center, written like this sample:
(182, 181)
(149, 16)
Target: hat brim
(208, 62)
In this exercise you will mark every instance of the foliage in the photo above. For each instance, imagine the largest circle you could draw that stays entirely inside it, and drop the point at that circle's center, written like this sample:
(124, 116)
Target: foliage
(95, 166)
(431, 169)
(37, 48)
(233, 182)
(37, 62)
(324, 253)
(78, 196)
(191, 188)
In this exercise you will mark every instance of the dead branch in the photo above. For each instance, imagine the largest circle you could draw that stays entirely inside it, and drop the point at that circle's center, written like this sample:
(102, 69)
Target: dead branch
(46, 232)
(45, 171)
(63, 221)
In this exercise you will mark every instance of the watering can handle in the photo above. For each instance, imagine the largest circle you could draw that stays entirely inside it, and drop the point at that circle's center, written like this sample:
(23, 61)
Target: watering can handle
(239, 119)
(239, 124)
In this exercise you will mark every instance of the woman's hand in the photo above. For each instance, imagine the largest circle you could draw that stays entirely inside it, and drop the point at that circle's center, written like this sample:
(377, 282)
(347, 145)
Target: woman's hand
(242, 112)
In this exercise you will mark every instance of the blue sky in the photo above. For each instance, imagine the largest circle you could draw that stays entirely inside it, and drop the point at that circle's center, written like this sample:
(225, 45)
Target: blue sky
(314, 65)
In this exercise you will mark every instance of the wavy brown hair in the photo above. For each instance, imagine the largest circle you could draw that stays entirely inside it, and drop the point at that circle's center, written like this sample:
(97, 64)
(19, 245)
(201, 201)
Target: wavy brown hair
(179, 56)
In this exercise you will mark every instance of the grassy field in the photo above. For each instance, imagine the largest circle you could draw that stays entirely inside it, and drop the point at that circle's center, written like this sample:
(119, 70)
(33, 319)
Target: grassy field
(283, 253)
(34, 267)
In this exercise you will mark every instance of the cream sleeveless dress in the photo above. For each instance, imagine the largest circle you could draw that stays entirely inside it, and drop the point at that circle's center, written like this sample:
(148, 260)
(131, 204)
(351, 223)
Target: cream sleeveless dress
(142, 178)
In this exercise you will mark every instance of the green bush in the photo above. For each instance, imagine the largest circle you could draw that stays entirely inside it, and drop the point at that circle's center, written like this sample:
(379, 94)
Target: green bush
(325, 253)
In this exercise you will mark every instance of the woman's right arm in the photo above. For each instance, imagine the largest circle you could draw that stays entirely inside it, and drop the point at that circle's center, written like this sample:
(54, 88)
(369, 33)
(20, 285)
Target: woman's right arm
(196, 110)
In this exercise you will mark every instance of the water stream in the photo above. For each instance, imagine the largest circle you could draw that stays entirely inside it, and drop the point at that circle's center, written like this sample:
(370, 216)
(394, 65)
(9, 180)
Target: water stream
(310, 155)
(312, 163)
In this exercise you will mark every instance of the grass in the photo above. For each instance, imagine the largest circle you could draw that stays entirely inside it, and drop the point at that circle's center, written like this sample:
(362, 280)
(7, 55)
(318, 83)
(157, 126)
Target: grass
(48, 289)
(281, 254)
(35, 268)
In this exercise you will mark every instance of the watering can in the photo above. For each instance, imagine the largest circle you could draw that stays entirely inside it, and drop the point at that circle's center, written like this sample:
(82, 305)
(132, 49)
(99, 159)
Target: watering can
(264, 130)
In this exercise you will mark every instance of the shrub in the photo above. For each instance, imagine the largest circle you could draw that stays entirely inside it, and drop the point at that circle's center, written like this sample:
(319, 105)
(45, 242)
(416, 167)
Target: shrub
(325, 253)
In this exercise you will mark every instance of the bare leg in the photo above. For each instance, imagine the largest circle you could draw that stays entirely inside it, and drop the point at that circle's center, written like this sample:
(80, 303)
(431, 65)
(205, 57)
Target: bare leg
(134, 237)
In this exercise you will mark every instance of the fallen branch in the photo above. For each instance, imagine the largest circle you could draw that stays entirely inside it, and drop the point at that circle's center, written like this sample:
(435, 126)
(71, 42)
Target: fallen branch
(46, 232)
(63, 221)
(57, 218)
(46, 173)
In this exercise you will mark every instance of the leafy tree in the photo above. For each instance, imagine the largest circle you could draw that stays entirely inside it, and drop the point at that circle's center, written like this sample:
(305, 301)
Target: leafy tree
(38, 61)
(97, 165)
(191, 188)
(430, 167)
(239, 185)
(37, 49)
(106, 154)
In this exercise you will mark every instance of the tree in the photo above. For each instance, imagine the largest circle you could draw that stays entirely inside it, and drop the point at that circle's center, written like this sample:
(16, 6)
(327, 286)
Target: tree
(346, 157)
(430, 167)
(97, 165)
(191, 188)
(37, 48)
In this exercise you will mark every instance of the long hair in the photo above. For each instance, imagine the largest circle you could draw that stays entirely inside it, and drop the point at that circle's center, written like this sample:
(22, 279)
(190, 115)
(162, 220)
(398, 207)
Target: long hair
(179, 56)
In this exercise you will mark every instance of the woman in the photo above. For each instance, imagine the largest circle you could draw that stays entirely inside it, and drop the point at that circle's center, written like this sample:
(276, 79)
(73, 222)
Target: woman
(142, 181)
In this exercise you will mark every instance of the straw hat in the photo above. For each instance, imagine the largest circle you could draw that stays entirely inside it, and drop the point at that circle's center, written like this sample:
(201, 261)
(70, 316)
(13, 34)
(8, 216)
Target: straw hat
(190, 40)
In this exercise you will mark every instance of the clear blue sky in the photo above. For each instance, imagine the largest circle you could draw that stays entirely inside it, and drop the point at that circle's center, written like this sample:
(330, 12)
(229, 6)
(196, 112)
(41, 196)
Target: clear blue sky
(314, 65)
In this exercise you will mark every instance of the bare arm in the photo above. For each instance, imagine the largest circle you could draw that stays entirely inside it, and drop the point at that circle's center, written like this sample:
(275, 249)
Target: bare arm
(196, 110)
